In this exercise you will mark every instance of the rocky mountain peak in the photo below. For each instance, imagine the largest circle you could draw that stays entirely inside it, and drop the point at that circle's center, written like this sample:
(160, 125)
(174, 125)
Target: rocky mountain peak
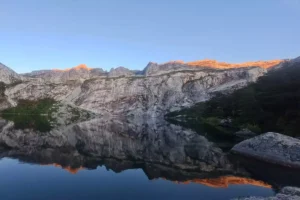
(174, 62)
(120, 71)
(296, 60)
(7, 75)
(82, 66)
(156, 69)
(79, 67)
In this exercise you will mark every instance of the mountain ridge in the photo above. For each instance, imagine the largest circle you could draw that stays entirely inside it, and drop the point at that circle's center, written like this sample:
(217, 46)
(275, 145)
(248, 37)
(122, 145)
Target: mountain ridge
(198, 63)
(158, 89)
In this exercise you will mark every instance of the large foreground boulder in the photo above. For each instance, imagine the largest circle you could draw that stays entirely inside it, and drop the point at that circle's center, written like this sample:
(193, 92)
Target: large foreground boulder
(287, 193)
(273, 148)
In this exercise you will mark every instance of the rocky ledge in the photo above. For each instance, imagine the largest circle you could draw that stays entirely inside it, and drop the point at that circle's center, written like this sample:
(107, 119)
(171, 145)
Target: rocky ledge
(273, 148)
(287, 193)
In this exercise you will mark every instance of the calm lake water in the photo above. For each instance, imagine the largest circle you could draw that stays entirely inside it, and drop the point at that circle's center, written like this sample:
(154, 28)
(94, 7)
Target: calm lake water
(28, 182)
(116, 159)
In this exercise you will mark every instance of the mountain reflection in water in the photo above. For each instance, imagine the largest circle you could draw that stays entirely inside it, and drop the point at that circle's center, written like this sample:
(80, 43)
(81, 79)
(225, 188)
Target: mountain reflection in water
(220, 182)
(161, 150)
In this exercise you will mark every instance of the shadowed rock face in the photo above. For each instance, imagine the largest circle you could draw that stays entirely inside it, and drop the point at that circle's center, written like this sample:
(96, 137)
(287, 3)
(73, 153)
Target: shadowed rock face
(296, 60)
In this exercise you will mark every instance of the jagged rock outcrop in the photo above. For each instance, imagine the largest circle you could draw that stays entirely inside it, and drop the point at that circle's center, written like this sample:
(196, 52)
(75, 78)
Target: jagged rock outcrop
(271, 147)
(296, 60)
(120, 71)
(153, 69)
(8, 76)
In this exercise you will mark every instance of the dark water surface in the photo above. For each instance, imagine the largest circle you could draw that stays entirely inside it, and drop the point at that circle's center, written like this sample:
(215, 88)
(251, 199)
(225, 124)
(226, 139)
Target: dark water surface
(28, 182)
(119, 159)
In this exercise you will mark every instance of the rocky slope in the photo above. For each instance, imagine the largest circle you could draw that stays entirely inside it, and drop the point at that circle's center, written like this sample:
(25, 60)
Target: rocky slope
(8, 76)
(296, 60)
(160, 88)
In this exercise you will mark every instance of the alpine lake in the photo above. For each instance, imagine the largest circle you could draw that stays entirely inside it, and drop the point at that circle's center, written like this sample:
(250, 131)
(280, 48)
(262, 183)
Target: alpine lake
(93, 157)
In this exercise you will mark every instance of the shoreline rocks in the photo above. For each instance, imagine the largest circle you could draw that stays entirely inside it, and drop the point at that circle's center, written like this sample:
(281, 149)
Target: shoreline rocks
(287, 193)
(273, 148)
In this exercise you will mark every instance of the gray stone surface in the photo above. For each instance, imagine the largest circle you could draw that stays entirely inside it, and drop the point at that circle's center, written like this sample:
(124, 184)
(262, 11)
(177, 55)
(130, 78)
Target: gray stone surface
(271, 147)
(287, 193)
(120, 71)
(136, 95)
(245, 134)
(8, 76)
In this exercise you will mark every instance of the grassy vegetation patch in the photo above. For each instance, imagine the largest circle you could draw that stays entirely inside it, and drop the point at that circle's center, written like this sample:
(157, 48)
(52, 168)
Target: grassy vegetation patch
(44, 114)
(31, 114)
(27, 107)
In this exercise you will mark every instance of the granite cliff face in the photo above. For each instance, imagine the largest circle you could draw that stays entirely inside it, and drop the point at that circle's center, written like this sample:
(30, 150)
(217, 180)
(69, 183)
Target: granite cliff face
(158, 89)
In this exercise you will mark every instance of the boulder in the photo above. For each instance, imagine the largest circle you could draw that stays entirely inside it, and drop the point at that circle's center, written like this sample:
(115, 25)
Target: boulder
(273, 148)
(287, 193)
(245, 134)
(226, 122)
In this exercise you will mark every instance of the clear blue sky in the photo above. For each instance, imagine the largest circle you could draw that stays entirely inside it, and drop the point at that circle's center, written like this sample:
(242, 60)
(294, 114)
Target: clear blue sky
(47, 34)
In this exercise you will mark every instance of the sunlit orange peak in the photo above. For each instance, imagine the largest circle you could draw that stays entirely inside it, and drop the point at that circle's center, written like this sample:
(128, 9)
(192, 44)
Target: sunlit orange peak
(68, 168)
(79, 67)
(224, 182)
(82, 66)
(224, 65)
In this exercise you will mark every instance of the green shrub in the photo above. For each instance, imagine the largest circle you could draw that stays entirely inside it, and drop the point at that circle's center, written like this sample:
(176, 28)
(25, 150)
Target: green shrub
(212, 121)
